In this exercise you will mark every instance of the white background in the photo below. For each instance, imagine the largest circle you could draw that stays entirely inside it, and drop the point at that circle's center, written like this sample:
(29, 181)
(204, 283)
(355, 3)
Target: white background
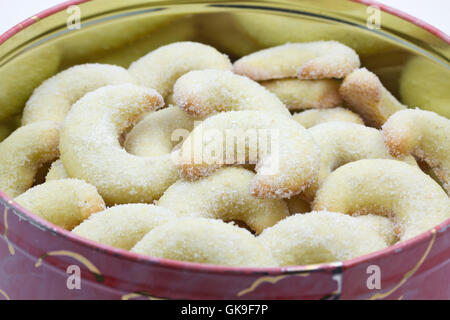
(435, 12)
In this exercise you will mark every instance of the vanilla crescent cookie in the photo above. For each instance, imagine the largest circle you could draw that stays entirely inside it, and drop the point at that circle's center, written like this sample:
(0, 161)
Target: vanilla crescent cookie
(426, 135)
(54, 97)
(286, 156)
(160, 68)
(225, 195)
(65, 202)
(56, 171)
(24, 152)
(310, 118)
(324, 236)
(298, 94)
(90, 148)
(203, 92)
(205, 241)
(365, 94)
(124, 225)
(309, 60)
(386, 187)
(344, 142)
(159, 132)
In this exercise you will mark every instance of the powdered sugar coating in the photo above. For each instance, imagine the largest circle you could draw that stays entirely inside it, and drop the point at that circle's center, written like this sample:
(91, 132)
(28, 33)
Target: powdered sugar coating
(284, 167)
(309, 60)
(23, 152)
(319, 237)
(64, 202)
(90, 148)
(426, 135)
(54, 97)
(204, 92)
(124, 225)
(365, 94)
(205, 241)
(160, 68)
(225, 195)
(386, 187)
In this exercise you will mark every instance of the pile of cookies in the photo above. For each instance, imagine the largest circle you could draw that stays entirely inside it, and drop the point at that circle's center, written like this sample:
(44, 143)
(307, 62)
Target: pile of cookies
(290, 155)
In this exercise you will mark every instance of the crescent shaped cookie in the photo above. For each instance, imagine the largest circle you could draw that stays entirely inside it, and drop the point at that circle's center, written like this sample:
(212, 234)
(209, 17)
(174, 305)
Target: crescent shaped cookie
(160, 68)
(24, 152)
(124, 225)
(308, 60)
(65, 202)
(365, 94)
(205, 241)
(54, 97)
(389, 188)
(285, 166)
(324, 236)
(90, 148)
(225, 195)
(203, 92)
(426, 135)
